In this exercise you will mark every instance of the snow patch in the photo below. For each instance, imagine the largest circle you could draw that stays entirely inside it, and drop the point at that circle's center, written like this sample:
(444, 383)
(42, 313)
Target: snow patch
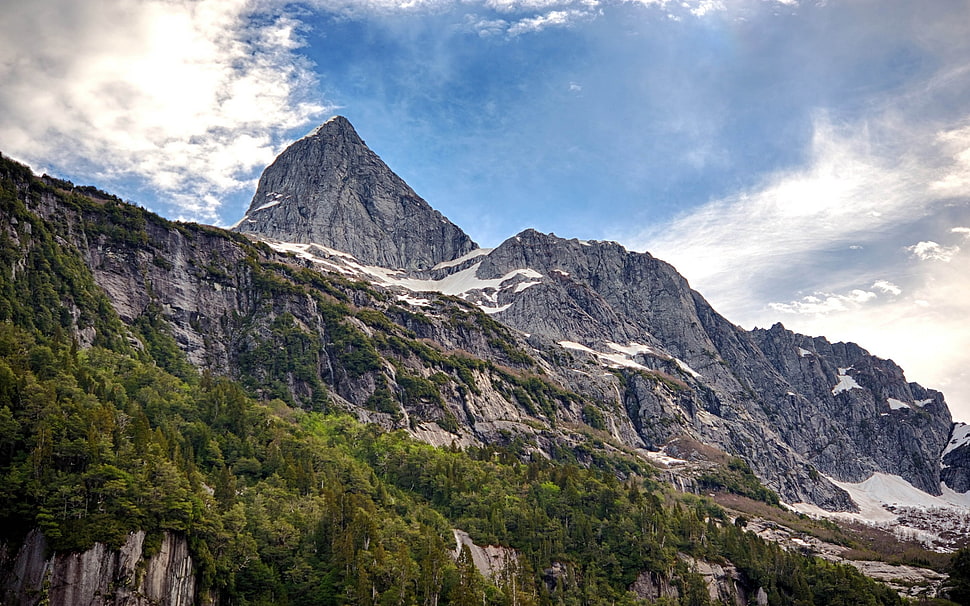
(524, 285)
(880, 491)
(620, 360)
(802, 352)
(632, 349)
(414, 301)
(845, 382)
(494, 310)
(662, 457)
(684, 367)
(895, 404)
(617, 359)
(577, 346)
(270, 204)
(460, 282)
(478, 252)
(958, 437)
(922, 403)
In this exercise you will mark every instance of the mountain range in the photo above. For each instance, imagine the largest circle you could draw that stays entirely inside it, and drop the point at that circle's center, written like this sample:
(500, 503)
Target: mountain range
(621, 326)
(341, 291)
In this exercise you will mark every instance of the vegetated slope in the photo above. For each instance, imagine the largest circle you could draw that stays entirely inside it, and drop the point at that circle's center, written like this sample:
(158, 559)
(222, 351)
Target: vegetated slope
(106, 429)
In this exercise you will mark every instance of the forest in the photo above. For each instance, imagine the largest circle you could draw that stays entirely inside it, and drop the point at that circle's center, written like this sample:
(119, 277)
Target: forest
(290, 504)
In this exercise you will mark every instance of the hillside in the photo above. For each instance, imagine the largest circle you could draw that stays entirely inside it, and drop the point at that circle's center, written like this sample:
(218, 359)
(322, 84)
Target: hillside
(225, 469)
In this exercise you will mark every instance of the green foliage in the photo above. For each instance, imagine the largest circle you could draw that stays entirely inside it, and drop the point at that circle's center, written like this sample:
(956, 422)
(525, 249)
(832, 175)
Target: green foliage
(157, 337)
(286, 363)
(594, 417)
(45, 286)
(737, 478)
(957, 586)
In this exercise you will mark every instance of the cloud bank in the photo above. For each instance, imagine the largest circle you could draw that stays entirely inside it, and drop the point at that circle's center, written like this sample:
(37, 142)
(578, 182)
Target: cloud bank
(188, 96)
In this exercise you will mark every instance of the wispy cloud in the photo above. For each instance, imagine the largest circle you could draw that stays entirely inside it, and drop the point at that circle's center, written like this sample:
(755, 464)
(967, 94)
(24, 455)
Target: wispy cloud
(887, 287)
(550, 19)
(190, 96)
(824, 303)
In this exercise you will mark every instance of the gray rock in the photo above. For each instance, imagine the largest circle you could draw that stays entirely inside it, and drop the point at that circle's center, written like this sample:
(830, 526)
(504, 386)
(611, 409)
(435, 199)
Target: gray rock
(123, 577)
(331, 189)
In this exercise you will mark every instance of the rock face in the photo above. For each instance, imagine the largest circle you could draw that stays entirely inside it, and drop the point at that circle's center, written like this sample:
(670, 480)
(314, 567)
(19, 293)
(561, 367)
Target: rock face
(330, 188)
(123, 577)
(856, 414)
(723, 583)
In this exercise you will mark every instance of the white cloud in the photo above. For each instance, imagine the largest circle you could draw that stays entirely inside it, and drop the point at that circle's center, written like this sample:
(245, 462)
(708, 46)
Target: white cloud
(961, 230)
(955, 144)
(887, 287)
(703, 7)
(844, 195)
(551, 19)
(489, 27)
(824, 303)
(189, 95)
(932, 251)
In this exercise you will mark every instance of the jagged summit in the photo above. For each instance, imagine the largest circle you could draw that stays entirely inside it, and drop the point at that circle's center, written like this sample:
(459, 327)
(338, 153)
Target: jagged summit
(329, 188)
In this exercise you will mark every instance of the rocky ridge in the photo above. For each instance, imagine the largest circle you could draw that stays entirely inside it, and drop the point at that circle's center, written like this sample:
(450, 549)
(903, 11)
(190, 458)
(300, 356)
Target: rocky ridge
(617, 340)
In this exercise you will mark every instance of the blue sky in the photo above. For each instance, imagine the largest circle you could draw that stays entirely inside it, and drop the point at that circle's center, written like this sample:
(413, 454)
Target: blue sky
(799, 161)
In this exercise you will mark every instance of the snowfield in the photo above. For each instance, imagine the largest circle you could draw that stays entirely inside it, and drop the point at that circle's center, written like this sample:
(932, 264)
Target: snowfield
(889, 501)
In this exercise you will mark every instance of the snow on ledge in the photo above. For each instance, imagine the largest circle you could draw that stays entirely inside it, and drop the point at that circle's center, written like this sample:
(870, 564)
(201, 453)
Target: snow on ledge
(895, 404)
(882, 489)
(845, 382)
(632, 349)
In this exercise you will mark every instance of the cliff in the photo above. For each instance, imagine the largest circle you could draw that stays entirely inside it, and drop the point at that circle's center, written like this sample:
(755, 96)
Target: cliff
(127, 576)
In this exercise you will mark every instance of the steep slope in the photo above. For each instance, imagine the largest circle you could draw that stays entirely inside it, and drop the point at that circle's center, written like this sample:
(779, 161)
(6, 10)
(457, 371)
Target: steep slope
(330, 188)
(863, 416)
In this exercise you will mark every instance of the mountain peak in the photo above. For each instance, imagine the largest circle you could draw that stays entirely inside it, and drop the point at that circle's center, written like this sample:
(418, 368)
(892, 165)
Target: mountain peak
(336, 124)
(329, 188)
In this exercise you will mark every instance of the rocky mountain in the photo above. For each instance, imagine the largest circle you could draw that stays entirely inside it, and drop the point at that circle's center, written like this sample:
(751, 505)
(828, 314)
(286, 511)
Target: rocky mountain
(154, 375)
(330, 187)
(801, 411)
